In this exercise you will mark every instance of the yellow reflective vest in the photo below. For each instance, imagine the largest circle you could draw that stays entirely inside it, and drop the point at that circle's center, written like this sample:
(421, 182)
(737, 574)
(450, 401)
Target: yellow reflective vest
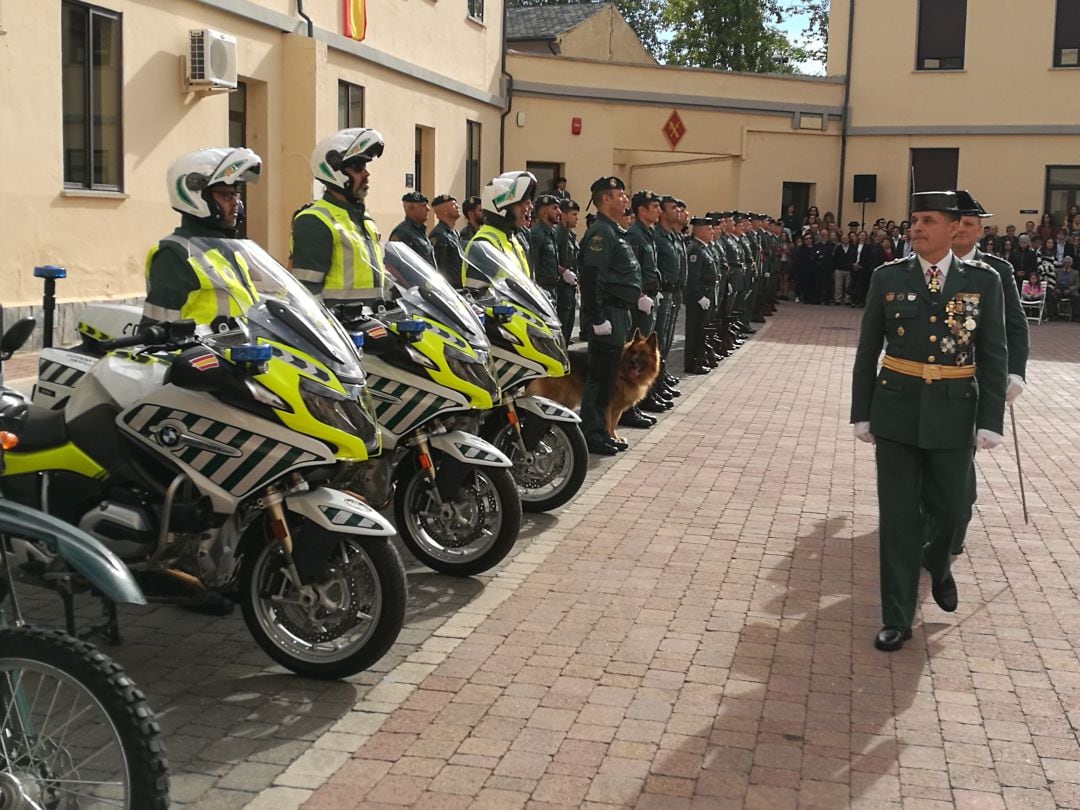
(356, 264)
(225, 287)
(498, 238)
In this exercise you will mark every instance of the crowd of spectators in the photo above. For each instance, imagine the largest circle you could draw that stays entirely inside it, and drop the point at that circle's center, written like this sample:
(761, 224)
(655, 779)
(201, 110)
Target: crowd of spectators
(824, 263)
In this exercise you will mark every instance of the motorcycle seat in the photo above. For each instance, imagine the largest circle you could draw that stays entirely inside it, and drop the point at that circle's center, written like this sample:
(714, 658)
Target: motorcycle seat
(42, 429)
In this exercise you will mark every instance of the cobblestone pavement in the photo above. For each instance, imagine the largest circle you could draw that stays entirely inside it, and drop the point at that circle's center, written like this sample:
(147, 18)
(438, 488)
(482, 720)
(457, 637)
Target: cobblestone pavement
(694, 630)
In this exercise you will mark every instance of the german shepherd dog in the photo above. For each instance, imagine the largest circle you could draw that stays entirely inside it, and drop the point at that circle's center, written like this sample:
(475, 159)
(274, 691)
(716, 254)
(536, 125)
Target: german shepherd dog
(638, 369)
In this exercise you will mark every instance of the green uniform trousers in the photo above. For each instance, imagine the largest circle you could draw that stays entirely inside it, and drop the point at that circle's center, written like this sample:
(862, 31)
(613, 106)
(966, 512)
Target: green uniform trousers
(664, 312)
(923, 498)
(645, 323)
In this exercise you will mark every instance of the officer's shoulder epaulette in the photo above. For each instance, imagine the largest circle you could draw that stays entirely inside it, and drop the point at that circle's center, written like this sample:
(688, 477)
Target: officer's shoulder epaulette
(979, 264)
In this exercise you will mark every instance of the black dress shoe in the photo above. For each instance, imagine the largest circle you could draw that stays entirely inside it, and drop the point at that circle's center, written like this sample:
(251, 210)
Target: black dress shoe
(604, 448)
(651, 405)
(671, 379)
(698, 369)
(620, 444)
(891, 638)
(674, 393)
(945, 594)
(634, 418)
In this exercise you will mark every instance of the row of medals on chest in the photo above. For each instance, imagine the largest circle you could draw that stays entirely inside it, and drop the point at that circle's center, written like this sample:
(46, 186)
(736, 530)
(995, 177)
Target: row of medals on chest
(961, 313)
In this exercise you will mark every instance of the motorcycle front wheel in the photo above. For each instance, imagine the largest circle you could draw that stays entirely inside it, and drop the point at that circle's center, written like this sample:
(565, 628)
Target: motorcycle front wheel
(75, 731)
(335, 627)
(551, 474)
(470, 532)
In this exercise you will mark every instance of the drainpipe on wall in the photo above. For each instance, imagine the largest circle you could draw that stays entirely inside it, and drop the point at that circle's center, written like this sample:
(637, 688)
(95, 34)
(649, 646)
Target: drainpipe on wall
(844, 114)
(509, 85)
(305, 17)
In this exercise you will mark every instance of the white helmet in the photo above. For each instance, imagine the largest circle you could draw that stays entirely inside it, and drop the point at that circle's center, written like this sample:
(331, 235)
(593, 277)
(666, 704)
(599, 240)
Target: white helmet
(191, 176)
(508, 189)
(332, 154)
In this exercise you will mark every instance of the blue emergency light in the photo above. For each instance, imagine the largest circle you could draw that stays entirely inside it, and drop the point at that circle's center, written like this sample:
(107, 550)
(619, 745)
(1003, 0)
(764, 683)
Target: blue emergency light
(357, 339)
(411, 327)
(250, 353)
(50, 271)
(503, 310)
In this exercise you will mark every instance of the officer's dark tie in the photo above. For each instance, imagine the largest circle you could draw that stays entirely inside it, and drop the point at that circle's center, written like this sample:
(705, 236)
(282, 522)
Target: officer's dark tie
(933, 280)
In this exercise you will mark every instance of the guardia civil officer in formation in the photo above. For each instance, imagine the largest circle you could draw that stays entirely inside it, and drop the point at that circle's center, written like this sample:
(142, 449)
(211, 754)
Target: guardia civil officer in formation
(1016, 327)
(445, 241)
(507, 205)
(335, 247)
(671, 264)
(473, 211)
(412, 230)
(642, 237)
(610, 282)
(566, 288)
(700, 293)
(544, 244)
(939, 395)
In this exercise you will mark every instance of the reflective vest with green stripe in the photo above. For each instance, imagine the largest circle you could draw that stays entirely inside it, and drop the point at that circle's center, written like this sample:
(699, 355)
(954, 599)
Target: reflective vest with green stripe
(356, 264)
(505, 244)
(225, 287)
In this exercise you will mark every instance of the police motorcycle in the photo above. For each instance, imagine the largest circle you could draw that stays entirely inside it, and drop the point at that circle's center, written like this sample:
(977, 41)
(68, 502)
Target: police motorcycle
(75, 731)
(542, 437)
(202, 461)
(428, 370)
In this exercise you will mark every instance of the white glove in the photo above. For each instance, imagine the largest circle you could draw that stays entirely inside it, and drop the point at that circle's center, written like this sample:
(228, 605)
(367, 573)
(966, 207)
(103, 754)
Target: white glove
(602, 328)
(704, 302)
(569, 276)
(659, 297)
(645, 304)
(987, 439)
(1015, 389)
(863, 434)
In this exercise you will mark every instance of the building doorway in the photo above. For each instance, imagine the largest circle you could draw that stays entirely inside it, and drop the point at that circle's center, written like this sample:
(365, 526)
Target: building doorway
(545, 174)
(797, 194)
(1062, 192)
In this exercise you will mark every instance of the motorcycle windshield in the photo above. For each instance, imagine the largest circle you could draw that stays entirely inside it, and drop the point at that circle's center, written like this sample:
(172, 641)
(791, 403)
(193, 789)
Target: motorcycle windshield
(270, 298)
(424, 291)
(508, 280)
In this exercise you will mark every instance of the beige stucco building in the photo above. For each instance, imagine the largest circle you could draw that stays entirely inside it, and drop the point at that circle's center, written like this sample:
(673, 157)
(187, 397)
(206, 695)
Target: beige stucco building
(948, 91)
(87, 190)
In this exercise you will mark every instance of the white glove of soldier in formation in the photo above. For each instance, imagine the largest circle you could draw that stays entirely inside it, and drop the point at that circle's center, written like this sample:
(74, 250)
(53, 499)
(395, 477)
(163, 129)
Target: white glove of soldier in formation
(602, 328)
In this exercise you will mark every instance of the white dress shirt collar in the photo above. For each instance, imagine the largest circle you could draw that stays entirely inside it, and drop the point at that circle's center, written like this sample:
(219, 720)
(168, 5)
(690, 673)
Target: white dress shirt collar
(943, 266)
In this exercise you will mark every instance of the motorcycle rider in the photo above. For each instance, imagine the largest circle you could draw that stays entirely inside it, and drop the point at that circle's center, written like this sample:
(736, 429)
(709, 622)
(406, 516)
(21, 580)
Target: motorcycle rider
(507, 202)
(185, 270)
(334, 250)
(186, 279)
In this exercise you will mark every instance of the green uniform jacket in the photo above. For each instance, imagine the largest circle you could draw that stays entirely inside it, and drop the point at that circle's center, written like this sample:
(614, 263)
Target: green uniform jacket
(643, 243)
(701, 273)
(415, 236)
(544, 255)
(446, 246)
(1016, 325)
(966, 325)
(609, 267)
(734, 256)
(670, 254)
(566, 240)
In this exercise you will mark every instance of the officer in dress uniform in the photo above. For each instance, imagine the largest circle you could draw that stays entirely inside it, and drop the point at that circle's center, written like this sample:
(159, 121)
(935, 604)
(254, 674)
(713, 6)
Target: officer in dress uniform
(642, 236)
(700, 291)
(412, 230)
(715, 349)
(473, 210)
(566, 287)
(670, 263)
(736, 280)
(750, 272)
(939, 394)
(1016, 327)
(445, 241)
(544, 244)
(610, 288)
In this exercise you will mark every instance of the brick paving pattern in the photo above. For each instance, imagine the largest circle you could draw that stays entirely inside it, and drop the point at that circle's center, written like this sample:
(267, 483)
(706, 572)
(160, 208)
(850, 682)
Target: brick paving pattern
(694, 630)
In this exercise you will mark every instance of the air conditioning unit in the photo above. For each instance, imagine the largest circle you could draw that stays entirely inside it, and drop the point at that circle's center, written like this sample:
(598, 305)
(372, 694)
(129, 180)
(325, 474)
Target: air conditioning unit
(210, 64)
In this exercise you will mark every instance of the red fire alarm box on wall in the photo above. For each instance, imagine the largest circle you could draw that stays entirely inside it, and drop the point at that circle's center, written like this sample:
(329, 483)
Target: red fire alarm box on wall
(575, 126)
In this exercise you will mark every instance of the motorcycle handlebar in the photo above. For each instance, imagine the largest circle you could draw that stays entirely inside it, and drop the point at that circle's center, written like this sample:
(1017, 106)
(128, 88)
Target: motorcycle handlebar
(149, 335)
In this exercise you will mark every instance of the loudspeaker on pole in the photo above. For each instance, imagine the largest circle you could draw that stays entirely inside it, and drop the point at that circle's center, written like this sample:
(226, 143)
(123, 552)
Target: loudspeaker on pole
(865, 188)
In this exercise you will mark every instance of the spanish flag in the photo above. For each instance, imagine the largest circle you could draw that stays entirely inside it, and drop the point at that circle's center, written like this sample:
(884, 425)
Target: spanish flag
(354, 18)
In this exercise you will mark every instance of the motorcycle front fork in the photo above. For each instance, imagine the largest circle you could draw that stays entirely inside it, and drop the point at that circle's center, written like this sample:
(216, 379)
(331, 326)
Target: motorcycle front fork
(279, 528)
(515, 423)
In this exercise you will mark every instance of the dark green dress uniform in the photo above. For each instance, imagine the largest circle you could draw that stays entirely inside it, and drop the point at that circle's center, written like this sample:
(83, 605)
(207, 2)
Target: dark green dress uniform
(467, 233)
(447, 249)
(611, 285)
(924, 413)
(643, 244)
(670, 257)
(414, 234)
(736, 275)
(745, 302)
(700, 283)
(544, 257)
(566, 294)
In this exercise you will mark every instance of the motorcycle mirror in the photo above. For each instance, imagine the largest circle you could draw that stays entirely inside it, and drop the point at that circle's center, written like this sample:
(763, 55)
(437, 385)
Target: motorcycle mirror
(16, 336)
